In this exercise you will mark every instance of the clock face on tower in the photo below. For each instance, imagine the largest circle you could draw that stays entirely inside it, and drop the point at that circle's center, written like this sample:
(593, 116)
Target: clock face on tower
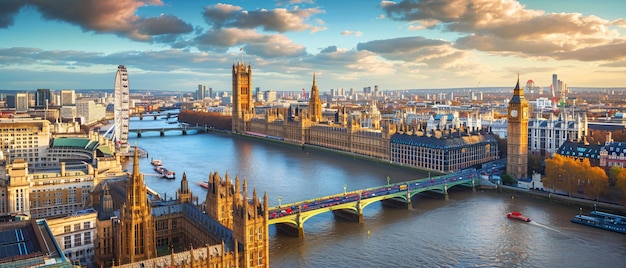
(513, 113)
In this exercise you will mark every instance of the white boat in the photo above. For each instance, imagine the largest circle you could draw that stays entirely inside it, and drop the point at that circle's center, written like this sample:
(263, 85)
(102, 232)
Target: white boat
(168, 174)
(156, 162)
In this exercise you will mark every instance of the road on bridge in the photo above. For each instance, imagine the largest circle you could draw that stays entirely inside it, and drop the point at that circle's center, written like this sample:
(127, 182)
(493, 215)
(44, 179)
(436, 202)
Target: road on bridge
(390, 189)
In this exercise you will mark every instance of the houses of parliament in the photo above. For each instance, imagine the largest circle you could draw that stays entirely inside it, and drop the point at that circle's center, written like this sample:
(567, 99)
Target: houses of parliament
(443, 145)
(227, 230)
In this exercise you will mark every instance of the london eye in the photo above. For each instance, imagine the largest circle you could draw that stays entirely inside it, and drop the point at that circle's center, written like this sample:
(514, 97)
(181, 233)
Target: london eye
(121, 110)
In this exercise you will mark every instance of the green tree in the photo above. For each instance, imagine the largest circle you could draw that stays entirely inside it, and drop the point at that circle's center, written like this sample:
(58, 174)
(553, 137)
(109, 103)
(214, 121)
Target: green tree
(620, 181)
(507, 179)
(613, 173)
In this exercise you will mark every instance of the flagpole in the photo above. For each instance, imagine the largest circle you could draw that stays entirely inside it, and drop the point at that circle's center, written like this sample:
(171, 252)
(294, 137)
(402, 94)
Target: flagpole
(241, 51)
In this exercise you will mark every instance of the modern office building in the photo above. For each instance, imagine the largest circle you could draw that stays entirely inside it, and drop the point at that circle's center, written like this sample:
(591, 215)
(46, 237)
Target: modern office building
(25, 138)
(201, 92)
(68, 97)
(90, 112)
(21, 102)
(43, 97)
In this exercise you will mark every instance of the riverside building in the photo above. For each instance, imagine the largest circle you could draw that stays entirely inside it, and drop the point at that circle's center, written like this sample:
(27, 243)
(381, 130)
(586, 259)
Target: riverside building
(360, 131)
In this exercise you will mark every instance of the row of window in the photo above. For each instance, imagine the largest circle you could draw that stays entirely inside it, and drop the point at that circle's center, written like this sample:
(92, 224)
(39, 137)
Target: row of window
(79, 240)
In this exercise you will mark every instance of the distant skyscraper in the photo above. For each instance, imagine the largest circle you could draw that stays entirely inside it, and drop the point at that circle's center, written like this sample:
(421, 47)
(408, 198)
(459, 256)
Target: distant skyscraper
(201, 92)
(555, 83)
(21, 102)
(210, 92)
(42, 97)
(68, 97)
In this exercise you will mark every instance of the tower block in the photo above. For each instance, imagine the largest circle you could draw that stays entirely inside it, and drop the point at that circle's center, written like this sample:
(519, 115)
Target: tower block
(517, 134)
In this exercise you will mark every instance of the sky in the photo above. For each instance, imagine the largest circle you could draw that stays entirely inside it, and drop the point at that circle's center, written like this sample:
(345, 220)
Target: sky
(413, 44)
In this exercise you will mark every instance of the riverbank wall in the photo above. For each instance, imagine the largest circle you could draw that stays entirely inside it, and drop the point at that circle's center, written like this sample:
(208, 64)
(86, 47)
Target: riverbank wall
(563, 199)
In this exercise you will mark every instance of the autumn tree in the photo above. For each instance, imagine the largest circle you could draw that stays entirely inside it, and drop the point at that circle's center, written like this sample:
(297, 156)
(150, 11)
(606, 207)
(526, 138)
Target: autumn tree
(569, 174)
(554, 172)
(597, 182)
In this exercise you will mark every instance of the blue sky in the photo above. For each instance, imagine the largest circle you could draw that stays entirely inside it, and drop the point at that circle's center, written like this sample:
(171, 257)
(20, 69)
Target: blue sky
(176, 45)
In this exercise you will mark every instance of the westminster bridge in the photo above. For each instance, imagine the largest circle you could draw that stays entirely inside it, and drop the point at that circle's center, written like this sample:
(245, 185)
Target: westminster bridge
(290, 218)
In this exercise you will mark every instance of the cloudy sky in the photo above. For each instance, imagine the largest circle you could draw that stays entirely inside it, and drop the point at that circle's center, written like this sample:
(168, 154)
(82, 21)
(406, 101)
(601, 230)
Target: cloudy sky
(178, 44)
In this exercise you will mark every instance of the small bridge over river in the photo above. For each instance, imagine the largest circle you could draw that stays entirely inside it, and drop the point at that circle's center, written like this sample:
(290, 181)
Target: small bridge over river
(156, 116)
(184, 129)
(349, 205)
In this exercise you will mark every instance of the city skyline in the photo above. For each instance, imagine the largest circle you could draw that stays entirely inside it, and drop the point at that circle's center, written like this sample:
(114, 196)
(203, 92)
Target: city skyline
(176, 45)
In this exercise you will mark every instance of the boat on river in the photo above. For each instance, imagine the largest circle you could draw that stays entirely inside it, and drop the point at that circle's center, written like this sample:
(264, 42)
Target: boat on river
(517, 216)
(602, 220)
(156, 162)
(168, 174)
(204, 184)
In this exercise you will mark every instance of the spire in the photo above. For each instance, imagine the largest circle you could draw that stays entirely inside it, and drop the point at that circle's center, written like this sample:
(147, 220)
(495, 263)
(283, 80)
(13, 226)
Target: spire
(314, 84)
(136, 161)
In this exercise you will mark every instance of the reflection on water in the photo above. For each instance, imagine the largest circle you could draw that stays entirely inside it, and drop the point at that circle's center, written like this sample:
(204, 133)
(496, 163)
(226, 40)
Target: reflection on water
(469, 230)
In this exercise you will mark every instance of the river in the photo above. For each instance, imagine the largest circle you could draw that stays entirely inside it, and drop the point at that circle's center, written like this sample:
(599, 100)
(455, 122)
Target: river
(468, 230)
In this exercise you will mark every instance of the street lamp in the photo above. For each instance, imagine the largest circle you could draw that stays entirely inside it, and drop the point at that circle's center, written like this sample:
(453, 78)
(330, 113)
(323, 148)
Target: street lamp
(344, 189)
(280, 199)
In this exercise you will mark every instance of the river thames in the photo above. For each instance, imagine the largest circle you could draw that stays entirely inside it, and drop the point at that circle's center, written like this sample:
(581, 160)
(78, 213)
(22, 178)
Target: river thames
(469, 230)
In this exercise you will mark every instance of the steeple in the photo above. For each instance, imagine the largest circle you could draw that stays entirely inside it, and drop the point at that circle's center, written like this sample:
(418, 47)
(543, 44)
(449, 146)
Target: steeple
(315, 105)
(138, 237)
(184, 194)
(518, 93)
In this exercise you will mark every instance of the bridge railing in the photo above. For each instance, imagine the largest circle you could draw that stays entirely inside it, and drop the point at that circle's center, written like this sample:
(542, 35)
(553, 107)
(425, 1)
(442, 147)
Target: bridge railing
(398, 184)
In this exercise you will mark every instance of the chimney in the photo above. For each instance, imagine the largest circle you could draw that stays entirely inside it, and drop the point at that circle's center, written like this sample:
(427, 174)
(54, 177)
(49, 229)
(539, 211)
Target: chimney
(62, 169)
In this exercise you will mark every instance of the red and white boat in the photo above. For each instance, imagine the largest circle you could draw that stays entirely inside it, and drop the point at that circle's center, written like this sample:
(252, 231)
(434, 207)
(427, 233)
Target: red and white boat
(517, 216)
(204, 184)
(168, 174)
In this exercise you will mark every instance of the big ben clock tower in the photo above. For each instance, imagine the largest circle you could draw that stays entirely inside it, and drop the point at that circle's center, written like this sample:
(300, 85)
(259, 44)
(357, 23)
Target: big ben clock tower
(517, 134)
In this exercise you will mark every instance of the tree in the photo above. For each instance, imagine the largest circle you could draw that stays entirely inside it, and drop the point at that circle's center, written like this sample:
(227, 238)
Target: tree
(501, 146)
(535, 164)
(620, 180)
(554, 172)
(507, 179)
(614, 173)
(597, 182)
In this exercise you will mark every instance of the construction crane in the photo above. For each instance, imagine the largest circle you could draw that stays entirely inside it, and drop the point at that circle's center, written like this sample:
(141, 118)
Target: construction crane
(303, 94)
(554, 102)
